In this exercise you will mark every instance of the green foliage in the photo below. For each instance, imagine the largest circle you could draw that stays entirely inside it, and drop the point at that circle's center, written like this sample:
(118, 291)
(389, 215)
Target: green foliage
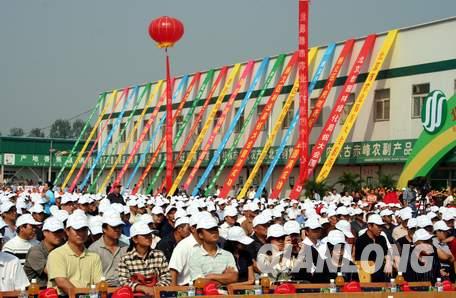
(318, 187)
(350, 181)
(61, 129)
(36, 133)
(386, 180)
(16, 132)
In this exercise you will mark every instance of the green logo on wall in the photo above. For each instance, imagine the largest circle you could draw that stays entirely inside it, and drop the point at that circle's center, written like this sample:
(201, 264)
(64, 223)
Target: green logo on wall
(434, 111)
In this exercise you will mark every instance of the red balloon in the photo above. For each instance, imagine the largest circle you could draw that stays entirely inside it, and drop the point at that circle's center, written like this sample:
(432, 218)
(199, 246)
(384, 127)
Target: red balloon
(166, 31)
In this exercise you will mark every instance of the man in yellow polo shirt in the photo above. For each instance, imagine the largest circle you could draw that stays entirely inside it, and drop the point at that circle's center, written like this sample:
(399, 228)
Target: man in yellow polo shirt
(72, 265)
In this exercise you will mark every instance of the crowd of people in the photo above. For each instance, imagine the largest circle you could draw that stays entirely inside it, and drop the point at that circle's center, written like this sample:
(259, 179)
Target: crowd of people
(73, 240)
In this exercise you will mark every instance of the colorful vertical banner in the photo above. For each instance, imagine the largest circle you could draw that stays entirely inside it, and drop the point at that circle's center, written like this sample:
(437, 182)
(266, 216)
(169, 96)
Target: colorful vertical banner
(138, 142)
(129, 140)
(221, 77)
(156, 131)
(236, 169)
(203, 132)
(195, 102)
(100, 134)
(348, 46)
(133, 97)
(87, 142)
(115, 146)
(101, 99)
(240, 83)
(271, 137)
(275, 68)
(303, 71)
(260, 72)
(335, 150)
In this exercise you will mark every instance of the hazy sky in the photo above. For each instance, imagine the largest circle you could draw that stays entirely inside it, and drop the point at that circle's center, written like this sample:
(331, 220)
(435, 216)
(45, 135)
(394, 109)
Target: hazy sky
(56, 56)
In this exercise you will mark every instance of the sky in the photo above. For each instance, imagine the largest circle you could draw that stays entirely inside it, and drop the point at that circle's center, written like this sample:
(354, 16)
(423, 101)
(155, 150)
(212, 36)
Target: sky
(56, 56)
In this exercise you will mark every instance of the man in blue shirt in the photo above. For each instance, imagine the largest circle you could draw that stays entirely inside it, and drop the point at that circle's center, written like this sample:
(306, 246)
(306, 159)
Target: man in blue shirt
(48, 196)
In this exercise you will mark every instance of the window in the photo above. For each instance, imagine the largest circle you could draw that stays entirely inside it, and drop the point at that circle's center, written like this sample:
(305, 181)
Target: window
(287, 121)
(419, 93)
(313, 102)
(199, 127)
(147, 136)
(260, 109)
(217, 117)
(109, 128)
(135, 134)
(179, 122)
(382, 104)
(240, 123)
(348, 105)
(123, 136)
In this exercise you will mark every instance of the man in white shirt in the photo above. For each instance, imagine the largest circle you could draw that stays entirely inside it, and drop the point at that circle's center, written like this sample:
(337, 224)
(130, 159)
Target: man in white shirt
(25, 238)
(230, 215)
(9, 216)
(12, 275)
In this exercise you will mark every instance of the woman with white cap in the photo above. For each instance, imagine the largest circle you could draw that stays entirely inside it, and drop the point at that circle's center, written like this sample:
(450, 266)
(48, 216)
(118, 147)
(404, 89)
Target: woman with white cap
(236, 243)
(441, 231)
(408, 238)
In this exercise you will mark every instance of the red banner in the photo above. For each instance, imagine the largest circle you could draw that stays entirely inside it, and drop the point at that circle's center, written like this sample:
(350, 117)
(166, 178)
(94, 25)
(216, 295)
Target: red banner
(236, 169)
(348, 46)
(221, 76)
(335, 115)
(169, 126)
(141, 138)
(245, 74)
(303, 71)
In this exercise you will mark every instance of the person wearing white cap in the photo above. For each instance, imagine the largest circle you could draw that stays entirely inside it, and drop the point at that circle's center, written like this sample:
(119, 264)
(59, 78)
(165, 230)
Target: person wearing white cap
(358, 223)
(108, 246)
(260, 229)
(181, 231)
(441, 231)
(37, 256)
(12, 273)
(401, 230)
(143, 262)
(67, 203)
(209, 261)
(230, 217)
(293, 231)
(407, 239)
(25, 238)
(388, 227)
(9, 215)
(72, 265)
(161, 223)
(237, 242)
(373, 236)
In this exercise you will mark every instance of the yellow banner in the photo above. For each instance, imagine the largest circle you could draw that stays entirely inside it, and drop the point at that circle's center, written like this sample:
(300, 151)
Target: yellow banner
(270, 140)
(207, 124)
(129, 140)
(87, 142)
(354, 112)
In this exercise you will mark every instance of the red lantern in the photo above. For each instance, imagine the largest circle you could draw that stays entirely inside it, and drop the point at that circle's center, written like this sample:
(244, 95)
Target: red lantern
(166, 31)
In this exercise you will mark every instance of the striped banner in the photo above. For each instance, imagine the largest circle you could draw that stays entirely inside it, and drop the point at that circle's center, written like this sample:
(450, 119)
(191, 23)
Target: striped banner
(261, 70)
(271, 137)
(87, 142)
(195, 102)
(334, 116)
(293, 158)
(203, 132)
(81, 135)
(100, 134)
(139, 141)
(115, 146)
(335, 150)
(278, 64)
(221, 77)
(241, 82)
(156, 131)
(107, 140)
(129, 140)
(236, 170)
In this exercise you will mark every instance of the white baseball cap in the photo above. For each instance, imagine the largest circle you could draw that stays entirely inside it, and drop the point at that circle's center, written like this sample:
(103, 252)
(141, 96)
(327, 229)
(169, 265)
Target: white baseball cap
(411, 224)
(431, 215)
(230, 211)
(169, 208)
(112, 219)
(441, 226)
(26, 219)
(146, 218)
(181, 221)
(237, 234)
(386, 212)
(345, 227)
(313, 223)
(336, 237)
(276, 231)
(206, 222)
(139, 228)
(423, 221)
(37, 208)
(157, 210)
(260, 219)
(342, 210)
(375, 219)
(292, 227)
(421, 235)
(6, 206)
(77, 221)
(52, 224)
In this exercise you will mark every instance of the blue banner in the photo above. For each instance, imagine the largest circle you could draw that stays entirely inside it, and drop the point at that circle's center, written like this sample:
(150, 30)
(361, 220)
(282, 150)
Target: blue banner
(134, 94)
(261, 70)
(182, 83)
(328, 54)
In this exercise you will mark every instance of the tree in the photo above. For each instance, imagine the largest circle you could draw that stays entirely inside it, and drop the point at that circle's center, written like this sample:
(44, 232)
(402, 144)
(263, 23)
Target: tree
(318, 187)
(77, 127)
(16, 132)
(60, 129)
(351, 182)
(386, 180)
(36, 132)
